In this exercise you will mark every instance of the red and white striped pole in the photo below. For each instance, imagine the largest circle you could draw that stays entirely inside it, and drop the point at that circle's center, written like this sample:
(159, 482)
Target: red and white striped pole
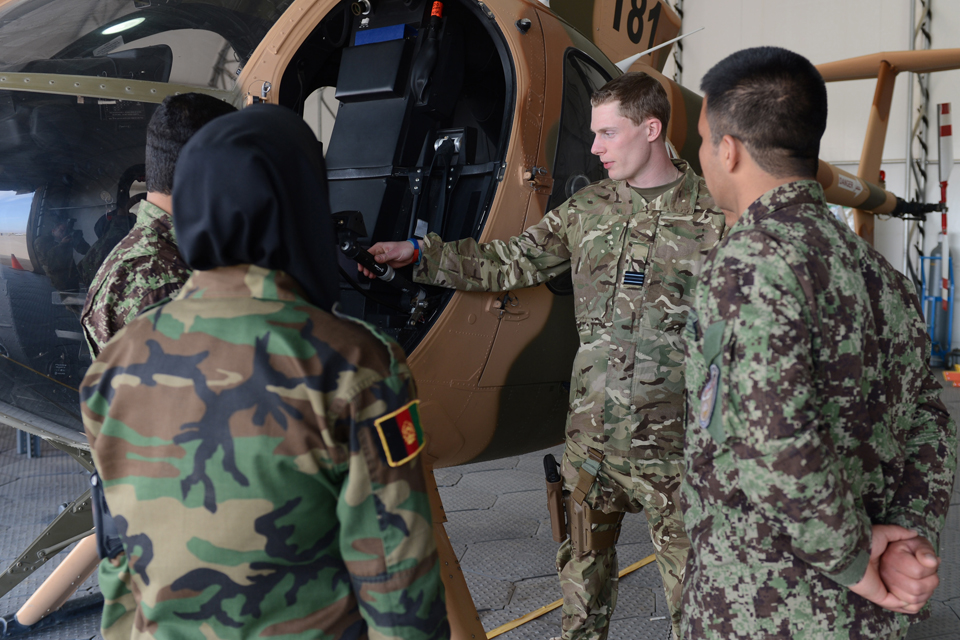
(946, 165)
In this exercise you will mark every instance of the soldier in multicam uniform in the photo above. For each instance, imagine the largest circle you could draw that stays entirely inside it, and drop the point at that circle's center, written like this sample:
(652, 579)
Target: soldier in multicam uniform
(819, 457)
(258, 450)
(145, 267)
(634, 244)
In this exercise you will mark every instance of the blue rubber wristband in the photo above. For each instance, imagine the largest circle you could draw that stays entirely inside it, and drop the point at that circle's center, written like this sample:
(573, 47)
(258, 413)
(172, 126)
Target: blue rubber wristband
(416, 248)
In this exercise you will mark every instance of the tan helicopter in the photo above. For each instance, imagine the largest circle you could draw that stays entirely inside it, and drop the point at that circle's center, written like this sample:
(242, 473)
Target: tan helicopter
(470, 123)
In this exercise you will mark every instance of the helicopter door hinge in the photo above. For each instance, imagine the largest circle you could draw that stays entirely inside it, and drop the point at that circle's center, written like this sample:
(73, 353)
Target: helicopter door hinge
(487, 12)
(264, 90)
(502, 171)
(538, 178)
(507, 307)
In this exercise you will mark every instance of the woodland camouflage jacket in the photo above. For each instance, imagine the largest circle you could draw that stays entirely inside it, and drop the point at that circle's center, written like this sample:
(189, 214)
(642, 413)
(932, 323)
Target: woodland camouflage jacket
(238, 434)
(813, 413)
(634, 266)
(142, 270)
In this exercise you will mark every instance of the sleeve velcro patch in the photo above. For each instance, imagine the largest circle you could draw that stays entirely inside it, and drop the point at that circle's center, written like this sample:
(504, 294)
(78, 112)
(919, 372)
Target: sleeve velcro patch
(401, 434)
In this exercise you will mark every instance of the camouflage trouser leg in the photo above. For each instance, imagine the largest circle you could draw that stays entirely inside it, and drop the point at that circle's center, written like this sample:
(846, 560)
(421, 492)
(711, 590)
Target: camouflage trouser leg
(589, 585)
(657, 488)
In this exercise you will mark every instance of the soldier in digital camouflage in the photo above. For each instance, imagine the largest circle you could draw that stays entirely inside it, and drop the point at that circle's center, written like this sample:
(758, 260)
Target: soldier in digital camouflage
(259, 451)
(634, 244)
(145, 267)
(819, 456)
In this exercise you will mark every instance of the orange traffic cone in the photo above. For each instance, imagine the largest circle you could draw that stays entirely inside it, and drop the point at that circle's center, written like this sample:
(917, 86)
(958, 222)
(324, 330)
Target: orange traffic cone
(16, 263)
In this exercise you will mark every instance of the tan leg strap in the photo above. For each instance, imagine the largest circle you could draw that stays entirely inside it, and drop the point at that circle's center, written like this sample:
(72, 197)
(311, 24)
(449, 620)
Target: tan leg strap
(583, 536)
(587, 475)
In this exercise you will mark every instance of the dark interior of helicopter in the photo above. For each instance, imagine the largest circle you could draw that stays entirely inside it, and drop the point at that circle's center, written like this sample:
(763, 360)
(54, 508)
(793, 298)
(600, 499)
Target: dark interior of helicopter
(425, 108)
(426, 98)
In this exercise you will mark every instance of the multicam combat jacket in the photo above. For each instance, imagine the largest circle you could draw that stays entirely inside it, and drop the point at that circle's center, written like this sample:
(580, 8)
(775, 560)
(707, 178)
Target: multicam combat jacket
(813, 413)
(142, 270)
(634, 266)
(236, 432)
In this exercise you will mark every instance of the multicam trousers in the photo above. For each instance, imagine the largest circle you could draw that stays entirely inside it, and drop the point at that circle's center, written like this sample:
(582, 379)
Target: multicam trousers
(589, 581)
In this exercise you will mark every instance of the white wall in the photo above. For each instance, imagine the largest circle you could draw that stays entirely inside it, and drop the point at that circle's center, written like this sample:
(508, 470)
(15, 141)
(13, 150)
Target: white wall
(828, 30)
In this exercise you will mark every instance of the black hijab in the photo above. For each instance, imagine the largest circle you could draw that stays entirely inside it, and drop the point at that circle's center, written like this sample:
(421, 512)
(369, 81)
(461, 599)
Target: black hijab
(251, 188)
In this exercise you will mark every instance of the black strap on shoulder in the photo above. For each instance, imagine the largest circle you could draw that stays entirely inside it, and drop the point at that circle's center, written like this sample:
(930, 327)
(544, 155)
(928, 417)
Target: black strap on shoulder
(109, 544)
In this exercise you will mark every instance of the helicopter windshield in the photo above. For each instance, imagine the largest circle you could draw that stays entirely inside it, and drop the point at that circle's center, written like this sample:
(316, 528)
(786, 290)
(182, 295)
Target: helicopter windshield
(203, 44)
(72, 161)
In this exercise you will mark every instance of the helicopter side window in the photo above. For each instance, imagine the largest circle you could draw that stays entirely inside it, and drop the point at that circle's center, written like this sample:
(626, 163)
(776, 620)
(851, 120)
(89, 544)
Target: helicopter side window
(574, 166)
(200, 58)
(320, 112)
(72, 167)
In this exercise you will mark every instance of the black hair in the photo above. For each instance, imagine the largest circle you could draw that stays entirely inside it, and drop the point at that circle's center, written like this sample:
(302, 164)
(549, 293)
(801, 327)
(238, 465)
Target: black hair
(775, 102)
(172, 125)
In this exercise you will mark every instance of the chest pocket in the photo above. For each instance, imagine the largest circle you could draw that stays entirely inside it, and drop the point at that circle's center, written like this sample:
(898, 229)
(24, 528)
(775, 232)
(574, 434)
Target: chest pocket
(674, 264)
(594, 270)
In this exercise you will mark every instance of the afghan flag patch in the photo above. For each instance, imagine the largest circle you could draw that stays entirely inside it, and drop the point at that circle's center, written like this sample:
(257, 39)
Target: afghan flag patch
(401, 434)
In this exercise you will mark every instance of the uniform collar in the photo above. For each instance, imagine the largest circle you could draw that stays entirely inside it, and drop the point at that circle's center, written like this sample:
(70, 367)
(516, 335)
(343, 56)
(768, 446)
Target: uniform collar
(786, 195)
(148, 212)
(242, 281)
(680, 199)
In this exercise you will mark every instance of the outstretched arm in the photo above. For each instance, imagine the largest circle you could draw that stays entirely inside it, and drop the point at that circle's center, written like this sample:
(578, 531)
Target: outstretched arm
(536, 255)
(393, 254)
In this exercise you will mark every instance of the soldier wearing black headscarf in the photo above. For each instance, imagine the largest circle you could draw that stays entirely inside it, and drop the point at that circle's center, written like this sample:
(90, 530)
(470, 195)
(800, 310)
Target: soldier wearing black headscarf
(259, 451)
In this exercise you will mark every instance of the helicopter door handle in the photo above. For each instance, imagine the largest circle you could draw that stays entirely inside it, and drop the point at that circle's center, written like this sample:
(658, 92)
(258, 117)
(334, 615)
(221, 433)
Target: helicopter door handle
(507, 307)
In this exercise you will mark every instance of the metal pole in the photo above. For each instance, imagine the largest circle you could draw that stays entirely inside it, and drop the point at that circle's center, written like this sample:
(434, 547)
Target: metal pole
(908, 173)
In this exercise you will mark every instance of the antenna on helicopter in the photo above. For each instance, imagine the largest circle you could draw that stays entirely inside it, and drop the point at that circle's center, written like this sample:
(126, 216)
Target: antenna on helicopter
(626, 63)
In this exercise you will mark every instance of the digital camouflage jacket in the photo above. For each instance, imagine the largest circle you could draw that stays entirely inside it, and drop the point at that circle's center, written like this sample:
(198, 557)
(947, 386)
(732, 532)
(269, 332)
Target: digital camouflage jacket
(243, 439)
(634, 266)
(115, 230)
(142, 270)
(813, 413)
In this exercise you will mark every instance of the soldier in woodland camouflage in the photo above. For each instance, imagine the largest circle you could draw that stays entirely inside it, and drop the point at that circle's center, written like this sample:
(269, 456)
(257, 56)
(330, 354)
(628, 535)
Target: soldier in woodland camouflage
(634, 245)
(145, 267)
(259, 452)
(819, 457)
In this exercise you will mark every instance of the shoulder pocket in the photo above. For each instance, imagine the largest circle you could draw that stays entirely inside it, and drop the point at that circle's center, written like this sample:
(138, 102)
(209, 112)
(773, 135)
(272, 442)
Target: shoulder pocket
(710, 416)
